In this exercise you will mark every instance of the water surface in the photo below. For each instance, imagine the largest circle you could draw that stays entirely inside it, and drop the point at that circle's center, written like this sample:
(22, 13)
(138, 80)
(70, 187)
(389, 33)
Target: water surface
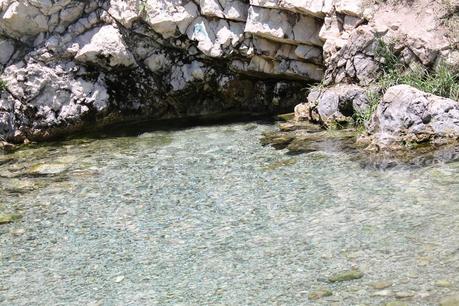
(206, 216)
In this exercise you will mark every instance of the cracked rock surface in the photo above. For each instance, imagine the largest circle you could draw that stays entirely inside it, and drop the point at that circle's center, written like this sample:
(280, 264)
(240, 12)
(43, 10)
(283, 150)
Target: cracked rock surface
(66, 64)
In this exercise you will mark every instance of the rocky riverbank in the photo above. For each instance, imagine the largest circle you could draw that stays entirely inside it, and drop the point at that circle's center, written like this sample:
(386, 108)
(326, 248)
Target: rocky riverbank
(68, 65)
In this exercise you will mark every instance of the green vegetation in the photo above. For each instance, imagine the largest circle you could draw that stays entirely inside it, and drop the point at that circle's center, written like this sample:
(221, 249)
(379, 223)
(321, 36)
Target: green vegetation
(441, 81)
(8, 218)
(142, 7)
(346, 276)
(2, 85)
(360, 118)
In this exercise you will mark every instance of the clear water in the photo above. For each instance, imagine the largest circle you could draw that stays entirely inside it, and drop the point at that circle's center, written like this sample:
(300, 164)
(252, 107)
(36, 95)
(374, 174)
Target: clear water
(206, 216)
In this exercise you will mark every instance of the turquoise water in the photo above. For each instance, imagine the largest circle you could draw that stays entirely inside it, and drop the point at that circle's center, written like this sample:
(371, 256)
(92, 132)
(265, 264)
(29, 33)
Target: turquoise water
(206, 215)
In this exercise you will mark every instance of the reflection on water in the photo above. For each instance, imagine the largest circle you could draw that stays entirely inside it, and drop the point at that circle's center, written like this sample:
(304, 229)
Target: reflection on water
(207, 215)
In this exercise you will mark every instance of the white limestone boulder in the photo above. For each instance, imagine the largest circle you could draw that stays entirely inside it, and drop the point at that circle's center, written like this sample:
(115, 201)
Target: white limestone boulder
(215, 36)
(334, 104)
(283, 26)
(307, 7)
(409, 115)
(125, 11)
(228, 9)
(350, 7)
(23, 20)
(104, 46)
(55, 94)
(286, 68)
(182, 75)
(166, 17)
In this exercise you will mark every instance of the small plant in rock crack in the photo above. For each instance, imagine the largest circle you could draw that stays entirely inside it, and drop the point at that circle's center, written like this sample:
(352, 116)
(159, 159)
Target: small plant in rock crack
(142, 6)
(363, 117)
(440, 81)
(2, 85)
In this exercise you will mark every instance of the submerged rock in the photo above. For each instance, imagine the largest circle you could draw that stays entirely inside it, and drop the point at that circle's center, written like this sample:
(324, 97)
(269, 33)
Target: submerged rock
(277, 140)
(452, 300)
(404, 295)
(396, 303)
(381, 285)
(280, 164)
(47, 169)
(443, 283)
(14, 185)
(8, 218)
(318, 294)
(346, 276)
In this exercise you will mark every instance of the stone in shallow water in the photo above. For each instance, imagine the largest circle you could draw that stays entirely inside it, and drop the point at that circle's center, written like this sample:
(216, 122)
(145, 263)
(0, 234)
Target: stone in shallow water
(301, 125)
(321, 293)
(286, 117)
(277, 140)
(404, 294)
(381, 285)
(20, 186)
(452, 300)
(18, 231)
(443, 283)
(47, 169)
(280, 163)
(385, 292)
(8, 218)
(119, 279)
(396, 303)
(346, 276)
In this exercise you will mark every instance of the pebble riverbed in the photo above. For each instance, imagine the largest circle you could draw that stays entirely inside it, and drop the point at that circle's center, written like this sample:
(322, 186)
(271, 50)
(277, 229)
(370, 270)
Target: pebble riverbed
(207, 216)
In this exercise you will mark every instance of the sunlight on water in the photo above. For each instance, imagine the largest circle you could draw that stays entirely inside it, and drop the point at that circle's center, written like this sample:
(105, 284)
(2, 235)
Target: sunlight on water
(206, 215)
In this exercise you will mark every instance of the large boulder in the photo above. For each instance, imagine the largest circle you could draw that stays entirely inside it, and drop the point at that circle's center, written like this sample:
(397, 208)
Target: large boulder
(334, 104)
(316, 8)
(104, 46)
(40, 98)
(168, 17)
(22, 19)
(407, 115)
(283, 26)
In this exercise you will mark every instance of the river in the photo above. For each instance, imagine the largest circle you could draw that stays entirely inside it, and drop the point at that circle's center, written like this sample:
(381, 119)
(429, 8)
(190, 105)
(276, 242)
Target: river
(206, 215)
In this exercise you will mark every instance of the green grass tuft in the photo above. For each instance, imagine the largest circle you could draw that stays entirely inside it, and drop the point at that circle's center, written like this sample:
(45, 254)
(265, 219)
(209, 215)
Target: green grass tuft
(441, 81)
(2, 85)
(361, 118)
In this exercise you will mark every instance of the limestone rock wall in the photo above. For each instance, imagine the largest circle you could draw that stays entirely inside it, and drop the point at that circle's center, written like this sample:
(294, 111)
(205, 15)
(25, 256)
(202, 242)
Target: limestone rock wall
(67, 64)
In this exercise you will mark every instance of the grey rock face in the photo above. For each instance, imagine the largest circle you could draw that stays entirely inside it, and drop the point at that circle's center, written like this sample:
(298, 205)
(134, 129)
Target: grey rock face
(69, 64)
(334, 104)
(408, 115)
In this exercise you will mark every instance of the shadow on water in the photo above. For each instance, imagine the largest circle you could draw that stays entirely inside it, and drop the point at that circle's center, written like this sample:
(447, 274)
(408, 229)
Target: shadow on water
(412, 158)
(300, 142)
(136, 128)
(298, 139)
